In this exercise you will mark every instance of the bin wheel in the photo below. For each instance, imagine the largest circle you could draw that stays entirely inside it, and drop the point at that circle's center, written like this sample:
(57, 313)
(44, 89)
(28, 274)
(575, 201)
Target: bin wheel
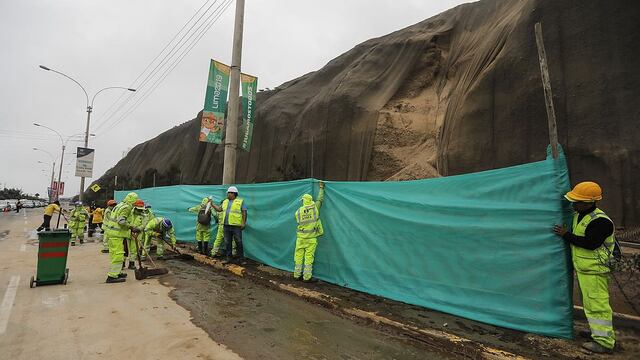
(66, 277)
(32, 284)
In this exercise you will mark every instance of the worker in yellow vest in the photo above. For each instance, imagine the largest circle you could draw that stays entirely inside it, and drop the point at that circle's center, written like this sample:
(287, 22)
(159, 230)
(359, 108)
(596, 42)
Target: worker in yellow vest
(308, 230)
(106, 218)
(592, 242)
(118, 228)
(77, 221)
(234, 220)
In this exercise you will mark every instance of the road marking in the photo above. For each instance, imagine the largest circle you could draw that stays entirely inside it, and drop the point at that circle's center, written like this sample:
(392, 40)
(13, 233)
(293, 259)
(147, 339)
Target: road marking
(23, 247)
(55, 301)
(7, 303)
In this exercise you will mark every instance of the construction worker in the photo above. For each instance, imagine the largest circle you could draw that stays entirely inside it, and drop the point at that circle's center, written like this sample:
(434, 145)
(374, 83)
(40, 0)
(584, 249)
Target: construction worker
(107, 215)
(138, 223)
(592, 244)
(118, 228)
(98, 216)
(308, 230)
(158, 229)
(48, 213)
(77, 220)
(203, 224)
(234, 220)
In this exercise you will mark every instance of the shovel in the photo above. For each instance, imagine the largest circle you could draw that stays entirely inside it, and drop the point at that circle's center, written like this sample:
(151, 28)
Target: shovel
(142, 272)
(180, 255)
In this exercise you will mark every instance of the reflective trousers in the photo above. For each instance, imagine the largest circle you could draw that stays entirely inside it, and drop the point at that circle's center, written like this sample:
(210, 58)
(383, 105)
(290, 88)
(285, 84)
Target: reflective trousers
(304, 254)
(77, 231)
(105, 241)
(116, 255)
(147, 246)
(218, 241)
(595, 300)
(132, 248)
(203, 235)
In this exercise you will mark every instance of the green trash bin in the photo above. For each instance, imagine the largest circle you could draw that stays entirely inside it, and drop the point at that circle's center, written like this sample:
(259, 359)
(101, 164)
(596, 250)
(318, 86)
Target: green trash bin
(53, 248)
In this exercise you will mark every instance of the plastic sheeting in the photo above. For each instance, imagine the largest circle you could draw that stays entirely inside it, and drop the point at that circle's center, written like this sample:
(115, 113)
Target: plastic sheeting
(478, 245)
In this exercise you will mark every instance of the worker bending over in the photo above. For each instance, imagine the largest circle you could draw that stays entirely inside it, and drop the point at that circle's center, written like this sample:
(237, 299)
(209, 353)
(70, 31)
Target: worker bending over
(77, 220)
(48, 213)
(592, 246)
(203, 224)
(118, 230)
(308, 230)
(139, 221)
(159, 229)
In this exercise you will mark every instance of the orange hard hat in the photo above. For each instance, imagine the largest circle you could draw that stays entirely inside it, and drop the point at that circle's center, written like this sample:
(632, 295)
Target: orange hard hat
(139, 203)
(111, 202)
(586, 191)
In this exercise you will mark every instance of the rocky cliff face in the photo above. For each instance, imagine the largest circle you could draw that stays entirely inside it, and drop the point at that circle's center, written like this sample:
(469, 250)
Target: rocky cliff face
(459, 92)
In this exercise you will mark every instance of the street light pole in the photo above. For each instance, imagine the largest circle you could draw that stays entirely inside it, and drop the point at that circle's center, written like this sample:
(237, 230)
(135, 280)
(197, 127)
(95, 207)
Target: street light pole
(231, 136)
(53, 170)
(89, 110)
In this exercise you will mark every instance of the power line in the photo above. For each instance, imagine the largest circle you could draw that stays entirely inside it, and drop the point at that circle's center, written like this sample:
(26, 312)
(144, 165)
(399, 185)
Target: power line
(165, 59)
(171, 67)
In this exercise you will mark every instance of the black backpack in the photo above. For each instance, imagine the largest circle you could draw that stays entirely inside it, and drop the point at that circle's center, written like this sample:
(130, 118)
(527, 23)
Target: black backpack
(204, 218)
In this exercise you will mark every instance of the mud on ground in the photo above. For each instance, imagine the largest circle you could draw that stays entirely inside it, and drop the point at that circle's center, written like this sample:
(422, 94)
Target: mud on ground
(283, 326)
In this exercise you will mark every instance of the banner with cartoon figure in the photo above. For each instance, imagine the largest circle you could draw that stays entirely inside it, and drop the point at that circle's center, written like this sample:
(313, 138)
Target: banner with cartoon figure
(215, 103)
(249, 90)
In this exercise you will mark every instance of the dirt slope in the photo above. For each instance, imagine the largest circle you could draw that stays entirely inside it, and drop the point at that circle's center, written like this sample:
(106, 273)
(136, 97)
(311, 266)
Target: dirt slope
(459, 92)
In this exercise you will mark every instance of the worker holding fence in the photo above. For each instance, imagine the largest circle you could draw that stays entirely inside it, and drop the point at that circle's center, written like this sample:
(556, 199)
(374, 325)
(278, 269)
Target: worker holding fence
(118, 229)
(107, 215)
(159, 229)
(76, 223)
(204, 213)
(308, 230)
(593, 244)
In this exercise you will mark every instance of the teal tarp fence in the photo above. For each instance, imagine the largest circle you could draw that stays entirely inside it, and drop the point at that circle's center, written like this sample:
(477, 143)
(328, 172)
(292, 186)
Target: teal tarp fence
(478, 245)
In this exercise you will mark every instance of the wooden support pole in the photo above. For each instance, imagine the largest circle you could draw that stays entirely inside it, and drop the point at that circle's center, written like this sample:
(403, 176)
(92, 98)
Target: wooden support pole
(548, 95)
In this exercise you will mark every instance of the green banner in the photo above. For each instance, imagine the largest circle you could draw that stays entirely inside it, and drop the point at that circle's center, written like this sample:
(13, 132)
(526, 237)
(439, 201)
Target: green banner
(249, 91)
(215, 103)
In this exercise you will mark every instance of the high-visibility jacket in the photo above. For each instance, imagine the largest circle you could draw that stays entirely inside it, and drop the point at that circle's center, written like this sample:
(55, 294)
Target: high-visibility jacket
(140, 218)
(155, 229)
(51, 208)
(196, 210)
(78, 216)
(308, 217)
(121, 217)
(97, 216)
(591, 261)
(235, 214)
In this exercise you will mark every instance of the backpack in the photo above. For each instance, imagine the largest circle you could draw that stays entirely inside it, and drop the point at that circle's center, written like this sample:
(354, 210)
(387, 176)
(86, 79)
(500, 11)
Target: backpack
(204, 218)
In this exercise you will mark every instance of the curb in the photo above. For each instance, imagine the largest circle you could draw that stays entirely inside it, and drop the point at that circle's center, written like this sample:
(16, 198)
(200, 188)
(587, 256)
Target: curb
(430, 337)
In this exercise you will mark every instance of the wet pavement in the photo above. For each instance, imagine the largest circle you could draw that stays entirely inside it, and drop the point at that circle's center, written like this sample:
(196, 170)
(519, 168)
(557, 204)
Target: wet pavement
(260, 323)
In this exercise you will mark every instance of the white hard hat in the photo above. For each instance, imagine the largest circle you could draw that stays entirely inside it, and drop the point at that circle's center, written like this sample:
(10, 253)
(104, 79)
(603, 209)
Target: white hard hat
(232, 189)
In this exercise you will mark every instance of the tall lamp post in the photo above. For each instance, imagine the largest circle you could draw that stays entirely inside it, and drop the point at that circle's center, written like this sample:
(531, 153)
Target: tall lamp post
(53, 170)
(89, 110)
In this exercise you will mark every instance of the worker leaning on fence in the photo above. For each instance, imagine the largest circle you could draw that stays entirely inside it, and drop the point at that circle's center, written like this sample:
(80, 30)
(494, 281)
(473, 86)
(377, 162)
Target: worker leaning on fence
(138, 222)
(592, 243)
(159, 229)
(203, 224)
(308, 230)
(106, 217)
(118, 229)
(77, 220)
(49, 210)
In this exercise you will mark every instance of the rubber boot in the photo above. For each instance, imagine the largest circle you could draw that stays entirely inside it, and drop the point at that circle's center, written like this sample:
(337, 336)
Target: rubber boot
(205, 249)
(199, 247)
(132, 265)
(111, 280)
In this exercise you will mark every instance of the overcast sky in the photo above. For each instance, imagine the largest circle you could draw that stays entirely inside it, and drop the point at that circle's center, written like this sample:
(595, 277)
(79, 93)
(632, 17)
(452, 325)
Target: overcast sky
(110, 43)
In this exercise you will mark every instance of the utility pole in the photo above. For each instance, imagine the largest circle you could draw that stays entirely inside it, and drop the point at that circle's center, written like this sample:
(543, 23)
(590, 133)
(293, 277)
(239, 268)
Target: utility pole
(53, 171)
(231, 137)
(548, 96)
(154, 179)
(86, 145)
(60, 179)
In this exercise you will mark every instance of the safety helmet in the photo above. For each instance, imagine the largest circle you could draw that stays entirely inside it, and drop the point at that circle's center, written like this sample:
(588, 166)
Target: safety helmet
(586, 191)
(111, 203)
(167, 223)
(232, 189)
(139, 204)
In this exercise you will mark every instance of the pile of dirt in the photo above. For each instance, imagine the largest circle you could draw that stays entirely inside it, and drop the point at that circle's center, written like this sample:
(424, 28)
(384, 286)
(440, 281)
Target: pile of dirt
(457, 93)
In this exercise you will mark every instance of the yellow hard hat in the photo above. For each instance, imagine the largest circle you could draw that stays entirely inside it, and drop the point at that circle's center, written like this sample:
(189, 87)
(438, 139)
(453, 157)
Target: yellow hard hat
(586, 191)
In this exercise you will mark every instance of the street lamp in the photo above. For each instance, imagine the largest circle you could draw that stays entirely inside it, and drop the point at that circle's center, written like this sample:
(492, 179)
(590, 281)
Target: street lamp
(89, 110)
(53, 170)
(63, 142)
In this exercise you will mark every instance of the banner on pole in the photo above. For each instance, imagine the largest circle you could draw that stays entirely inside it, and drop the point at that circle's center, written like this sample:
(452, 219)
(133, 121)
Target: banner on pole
(84, 162)
(215, 103)
(249, 90)
(61, 188)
